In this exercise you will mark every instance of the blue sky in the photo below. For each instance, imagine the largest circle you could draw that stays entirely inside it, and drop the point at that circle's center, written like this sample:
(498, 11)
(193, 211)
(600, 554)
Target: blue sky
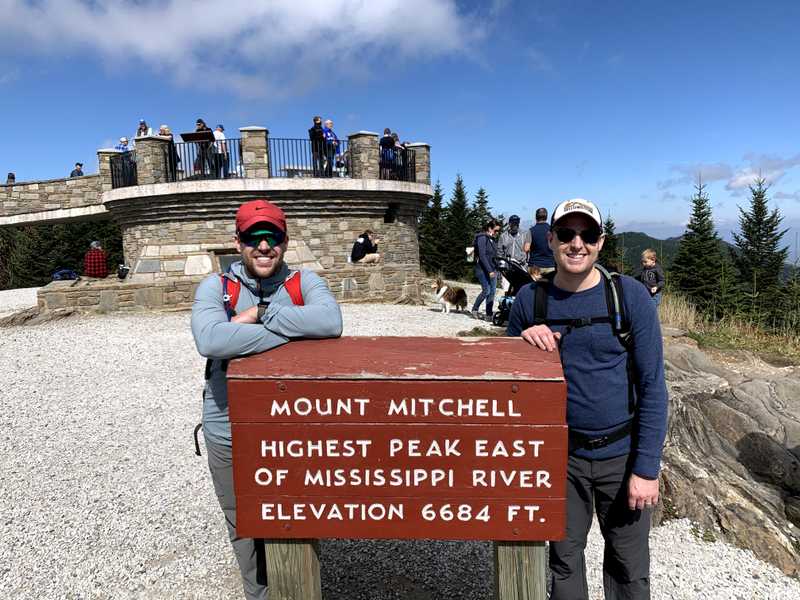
(623, 103)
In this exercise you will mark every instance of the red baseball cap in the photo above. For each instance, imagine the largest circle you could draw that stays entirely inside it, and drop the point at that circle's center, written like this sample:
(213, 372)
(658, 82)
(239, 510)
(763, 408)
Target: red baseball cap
(259, 211)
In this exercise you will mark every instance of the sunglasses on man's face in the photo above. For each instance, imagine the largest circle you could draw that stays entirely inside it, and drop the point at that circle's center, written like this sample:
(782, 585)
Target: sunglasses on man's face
(589, 236)
(253, 239)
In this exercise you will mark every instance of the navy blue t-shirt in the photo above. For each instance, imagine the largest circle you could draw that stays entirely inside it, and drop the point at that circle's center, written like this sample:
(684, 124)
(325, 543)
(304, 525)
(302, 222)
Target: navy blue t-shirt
(595, 367)
(540, 255)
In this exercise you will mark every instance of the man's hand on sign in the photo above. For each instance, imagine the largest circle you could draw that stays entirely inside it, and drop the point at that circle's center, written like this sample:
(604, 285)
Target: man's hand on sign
(542, 337)
(247, 316)
(642, 493)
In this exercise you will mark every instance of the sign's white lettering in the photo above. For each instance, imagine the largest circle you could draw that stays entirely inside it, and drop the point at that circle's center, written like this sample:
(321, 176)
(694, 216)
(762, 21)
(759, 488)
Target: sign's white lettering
(314, 448)
(452, 407)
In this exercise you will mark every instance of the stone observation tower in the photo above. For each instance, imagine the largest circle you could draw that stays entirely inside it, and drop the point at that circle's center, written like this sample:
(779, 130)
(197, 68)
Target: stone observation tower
(176, 206)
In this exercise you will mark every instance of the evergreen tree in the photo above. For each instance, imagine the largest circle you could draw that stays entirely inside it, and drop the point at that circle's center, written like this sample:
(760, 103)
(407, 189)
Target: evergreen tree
(611, 256)
(480, 212)
(758, 257)
(30, 254)
(460, 232)
(698, 263)
(432, 243)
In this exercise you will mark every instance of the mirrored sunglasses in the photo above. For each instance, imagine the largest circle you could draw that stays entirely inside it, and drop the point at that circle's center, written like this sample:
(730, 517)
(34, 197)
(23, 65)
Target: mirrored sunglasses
(253, 239)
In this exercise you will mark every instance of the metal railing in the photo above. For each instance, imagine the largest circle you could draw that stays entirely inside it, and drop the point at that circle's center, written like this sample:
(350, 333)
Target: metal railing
(290, 157)
(123, 169)
(204, 160)
(398, 164)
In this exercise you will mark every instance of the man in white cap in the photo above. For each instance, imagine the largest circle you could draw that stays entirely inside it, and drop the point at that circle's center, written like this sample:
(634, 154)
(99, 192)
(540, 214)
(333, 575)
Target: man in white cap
(616, 402)
(123, 145)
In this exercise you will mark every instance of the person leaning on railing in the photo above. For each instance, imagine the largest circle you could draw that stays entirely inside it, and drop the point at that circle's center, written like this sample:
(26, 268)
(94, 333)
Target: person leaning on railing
(221, 152)
(331, 147)
(316, 134)
(172, 153)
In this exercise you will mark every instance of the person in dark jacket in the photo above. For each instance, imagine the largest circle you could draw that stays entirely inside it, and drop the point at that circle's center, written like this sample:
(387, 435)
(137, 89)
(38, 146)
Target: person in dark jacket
(317, 137)
(615, 443)
(652, 275)
(387, 154)
(365, 249)
(485, 251)
(77, 171)
(540, 256)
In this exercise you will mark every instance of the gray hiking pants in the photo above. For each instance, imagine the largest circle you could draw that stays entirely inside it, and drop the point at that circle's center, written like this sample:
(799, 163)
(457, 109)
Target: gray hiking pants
(248, 552)
(602, 485)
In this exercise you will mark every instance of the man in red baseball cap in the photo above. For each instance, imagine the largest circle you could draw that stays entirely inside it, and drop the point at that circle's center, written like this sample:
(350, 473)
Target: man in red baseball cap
(257, 305)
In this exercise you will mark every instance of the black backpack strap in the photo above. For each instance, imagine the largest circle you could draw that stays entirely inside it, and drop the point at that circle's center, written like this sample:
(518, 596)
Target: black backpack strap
(621, 325)
(540, 299)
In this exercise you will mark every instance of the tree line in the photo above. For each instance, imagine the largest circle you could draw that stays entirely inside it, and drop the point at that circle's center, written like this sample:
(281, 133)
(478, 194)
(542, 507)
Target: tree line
(30, 254)
(747, 280)
(446, 230)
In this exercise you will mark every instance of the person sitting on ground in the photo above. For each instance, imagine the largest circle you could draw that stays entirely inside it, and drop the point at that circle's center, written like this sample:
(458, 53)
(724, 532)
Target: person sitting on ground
(77, 171)
(652, 275)
(485, 252)
(267, 314)
(365, 249)
(95, 263)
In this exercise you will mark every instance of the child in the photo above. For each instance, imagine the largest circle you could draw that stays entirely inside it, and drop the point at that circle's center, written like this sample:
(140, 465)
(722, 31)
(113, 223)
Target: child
(652, 275)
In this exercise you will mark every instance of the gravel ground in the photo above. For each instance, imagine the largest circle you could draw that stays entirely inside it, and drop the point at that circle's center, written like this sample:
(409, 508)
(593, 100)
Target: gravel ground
(14, 300)
(103, 497)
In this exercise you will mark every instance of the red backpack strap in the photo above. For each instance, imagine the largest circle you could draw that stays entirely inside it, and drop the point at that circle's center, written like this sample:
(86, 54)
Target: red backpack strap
(230, 293)
(292, 285)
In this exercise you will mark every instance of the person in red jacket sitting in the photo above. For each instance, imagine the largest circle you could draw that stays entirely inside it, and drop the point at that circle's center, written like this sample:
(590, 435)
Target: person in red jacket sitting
(95, 263)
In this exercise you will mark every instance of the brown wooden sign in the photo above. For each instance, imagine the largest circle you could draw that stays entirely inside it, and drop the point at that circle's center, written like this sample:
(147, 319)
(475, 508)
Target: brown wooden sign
(435, 438)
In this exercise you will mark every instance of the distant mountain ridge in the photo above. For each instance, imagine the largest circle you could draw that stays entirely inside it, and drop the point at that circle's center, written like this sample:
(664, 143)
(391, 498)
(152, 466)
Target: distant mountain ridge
(635, 242)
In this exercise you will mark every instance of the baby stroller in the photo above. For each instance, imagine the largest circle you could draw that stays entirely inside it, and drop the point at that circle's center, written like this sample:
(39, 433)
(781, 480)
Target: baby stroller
(518, 277)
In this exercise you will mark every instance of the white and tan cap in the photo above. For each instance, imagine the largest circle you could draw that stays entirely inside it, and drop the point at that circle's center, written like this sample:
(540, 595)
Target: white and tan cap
(580, 206)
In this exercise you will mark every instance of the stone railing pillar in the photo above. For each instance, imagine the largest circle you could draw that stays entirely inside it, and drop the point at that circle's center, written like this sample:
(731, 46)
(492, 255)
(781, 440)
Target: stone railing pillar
(104, 167)
(422, 156)
(151, 159)
(364, 154)
(255, 151)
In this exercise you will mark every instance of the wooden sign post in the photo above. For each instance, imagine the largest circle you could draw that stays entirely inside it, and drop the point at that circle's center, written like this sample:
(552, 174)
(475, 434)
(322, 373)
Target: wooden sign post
(412, 438)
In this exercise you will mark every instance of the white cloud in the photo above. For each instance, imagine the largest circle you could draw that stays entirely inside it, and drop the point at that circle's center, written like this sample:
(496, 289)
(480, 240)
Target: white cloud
(255, 47)
(771, 167)
(708, 172)
(786, 196)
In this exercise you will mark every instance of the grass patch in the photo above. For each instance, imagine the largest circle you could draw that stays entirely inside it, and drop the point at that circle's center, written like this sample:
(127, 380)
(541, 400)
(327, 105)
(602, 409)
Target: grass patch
(778, 349)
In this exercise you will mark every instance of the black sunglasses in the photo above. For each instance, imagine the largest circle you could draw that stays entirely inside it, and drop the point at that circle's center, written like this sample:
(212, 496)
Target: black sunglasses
(253, 239)
(589, 236)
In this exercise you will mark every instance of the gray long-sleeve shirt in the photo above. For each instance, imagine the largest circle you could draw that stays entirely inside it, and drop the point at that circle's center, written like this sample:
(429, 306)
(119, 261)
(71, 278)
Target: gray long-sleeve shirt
(219, 339)
(512, 245)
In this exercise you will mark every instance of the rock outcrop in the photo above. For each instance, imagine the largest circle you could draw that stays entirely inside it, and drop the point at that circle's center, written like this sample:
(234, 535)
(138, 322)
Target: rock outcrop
(732, 457)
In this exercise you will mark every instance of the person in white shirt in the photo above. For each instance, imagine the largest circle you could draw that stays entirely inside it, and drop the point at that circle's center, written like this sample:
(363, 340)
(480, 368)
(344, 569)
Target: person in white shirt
(221, 148)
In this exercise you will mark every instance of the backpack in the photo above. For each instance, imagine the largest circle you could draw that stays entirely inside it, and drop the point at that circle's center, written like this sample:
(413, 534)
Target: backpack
(617, 318)
(64, 275)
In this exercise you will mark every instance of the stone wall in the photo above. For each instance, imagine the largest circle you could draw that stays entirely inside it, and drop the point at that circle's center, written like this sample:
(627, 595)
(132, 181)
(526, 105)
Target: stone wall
(183, 250)
(50, 194)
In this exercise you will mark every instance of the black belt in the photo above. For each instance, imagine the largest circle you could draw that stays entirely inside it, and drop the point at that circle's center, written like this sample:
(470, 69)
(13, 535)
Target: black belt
(581, 441)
